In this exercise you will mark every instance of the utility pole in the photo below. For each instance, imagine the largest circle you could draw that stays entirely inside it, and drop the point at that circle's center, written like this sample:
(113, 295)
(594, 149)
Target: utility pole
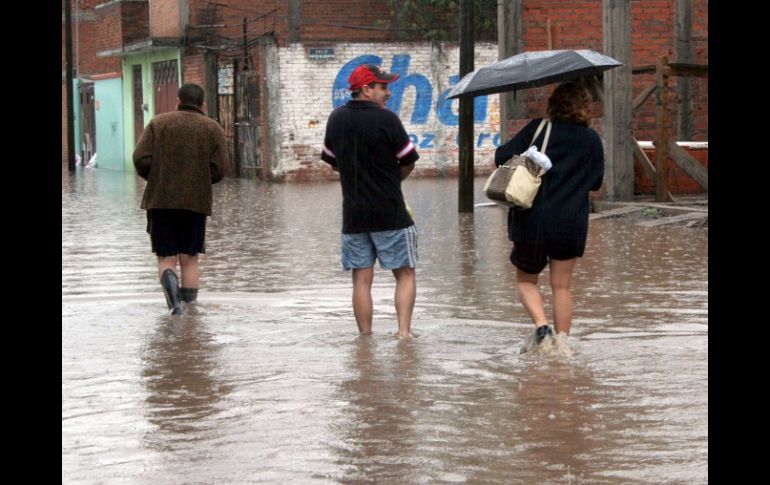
(465, 182)
(684, 54)
(295, 17)
(508, 44)
(68, 80)
(618, 112)
(245, 48)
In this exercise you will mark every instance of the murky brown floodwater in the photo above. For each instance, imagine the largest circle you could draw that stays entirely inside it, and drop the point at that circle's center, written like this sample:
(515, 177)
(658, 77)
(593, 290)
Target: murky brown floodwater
(267, 382)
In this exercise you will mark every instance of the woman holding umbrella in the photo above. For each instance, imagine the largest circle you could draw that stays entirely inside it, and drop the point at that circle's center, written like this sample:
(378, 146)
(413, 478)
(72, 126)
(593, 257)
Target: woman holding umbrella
(553, 232)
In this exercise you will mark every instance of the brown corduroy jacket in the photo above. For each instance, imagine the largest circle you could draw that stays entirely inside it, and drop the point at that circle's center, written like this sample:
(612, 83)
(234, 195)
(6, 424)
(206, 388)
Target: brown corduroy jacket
(180, 154)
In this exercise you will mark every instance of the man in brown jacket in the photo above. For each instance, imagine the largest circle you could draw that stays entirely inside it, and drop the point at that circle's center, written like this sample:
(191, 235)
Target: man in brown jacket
(180, 154)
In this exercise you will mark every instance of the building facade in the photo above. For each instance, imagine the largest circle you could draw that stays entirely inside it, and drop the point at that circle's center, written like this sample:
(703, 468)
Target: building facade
(274, 70)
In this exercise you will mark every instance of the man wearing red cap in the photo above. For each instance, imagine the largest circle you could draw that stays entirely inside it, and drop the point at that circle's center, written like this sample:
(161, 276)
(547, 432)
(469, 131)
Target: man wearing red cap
(367, 144)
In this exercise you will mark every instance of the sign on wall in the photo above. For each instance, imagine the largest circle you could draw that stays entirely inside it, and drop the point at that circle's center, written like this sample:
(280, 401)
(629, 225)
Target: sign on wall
(320, 53)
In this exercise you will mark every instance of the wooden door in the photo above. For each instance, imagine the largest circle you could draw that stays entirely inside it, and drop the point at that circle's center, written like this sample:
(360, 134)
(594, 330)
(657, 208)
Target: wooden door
(165, 79)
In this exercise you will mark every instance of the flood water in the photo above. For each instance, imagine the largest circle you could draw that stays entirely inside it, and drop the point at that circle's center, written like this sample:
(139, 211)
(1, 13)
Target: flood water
(267, 381)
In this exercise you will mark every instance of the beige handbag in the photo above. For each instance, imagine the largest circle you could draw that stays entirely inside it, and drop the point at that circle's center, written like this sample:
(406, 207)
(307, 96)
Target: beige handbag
(516, 182)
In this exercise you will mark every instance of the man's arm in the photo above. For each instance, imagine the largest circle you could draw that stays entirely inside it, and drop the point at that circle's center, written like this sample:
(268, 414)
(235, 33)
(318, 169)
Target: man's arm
(220, 159)
(405, 151)
(143, 152)
(327, 153)
(405, 170)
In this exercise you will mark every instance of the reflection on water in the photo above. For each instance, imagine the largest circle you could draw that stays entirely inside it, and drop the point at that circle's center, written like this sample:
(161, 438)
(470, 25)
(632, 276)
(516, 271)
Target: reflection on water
(267, 381)
(378, 435)
(555, 401)
(180, 367)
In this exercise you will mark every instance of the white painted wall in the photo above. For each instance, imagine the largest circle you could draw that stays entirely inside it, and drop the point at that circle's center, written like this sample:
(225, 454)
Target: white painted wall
(307, 94)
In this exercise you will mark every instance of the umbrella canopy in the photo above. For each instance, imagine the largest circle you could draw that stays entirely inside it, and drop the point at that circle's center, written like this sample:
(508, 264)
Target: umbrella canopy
(531, 69)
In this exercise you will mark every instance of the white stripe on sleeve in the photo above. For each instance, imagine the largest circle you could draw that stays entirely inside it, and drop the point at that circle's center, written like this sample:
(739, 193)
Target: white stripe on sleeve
(404, 151)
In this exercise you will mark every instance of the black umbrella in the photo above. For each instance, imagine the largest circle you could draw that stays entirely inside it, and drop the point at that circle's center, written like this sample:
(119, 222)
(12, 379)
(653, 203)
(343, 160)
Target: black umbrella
(531, 69)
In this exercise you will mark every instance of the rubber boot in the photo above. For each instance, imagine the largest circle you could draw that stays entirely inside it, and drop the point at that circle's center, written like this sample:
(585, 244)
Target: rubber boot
(170, 284)
(189, 295)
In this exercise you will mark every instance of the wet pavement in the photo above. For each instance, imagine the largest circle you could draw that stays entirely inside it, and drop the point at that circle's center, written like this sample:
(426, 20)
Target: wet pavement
(266, 380)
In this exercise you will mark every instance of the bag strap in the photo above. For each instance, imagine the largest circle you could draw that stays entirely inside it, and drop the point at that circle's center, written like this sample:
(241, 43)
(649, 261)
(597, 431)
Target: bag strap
(537, 132)
(547, 135)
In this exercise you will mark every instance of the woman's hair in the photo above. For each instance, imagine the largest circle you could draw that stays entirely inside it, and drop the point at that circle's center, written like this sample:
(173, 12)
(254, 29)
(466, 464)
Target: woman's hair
(570, 102)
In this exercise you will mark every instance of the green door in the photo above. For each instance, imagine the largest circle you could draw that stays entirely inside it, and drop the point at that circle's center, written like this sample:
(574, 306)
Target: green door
(109, 123)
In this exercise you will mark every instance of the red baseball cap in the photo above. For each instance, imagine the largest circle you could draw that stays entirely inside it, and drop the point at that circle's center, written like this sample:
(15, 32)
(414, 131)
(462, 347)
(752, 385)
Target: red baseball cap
(369, 73)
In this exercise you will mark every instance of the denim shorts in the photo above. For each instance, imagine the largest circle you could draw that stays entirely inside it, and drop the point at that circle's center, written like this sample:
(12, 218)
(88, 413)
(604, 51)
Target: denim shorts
(395, 249)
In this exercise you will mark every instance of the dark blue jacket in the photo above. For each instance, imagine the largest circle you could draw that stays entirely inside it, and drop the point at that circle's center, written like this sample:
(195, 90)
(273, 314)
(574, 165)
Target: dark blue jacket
(559, 213)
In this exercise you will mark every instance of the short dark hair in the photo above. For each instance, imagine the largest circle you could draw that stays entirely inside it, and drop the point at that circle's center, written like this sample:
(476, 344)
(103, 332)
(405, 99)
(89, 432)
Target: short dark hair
(191, 93)
(355, 94)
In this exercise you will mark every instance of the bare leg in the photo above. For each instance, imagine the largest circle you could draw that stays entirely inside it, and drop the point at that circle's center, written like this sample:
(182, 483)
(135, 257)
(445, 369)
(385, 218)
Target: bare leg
(166, 262)
(362, 298)
(406, 291)
(530, 296)
(190, 272)
(561, 280)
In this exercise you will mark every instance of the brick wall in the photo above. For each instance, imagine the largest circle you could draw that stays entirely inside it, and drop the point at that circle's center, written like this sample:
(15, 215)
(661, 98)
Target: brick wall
(678, 182)
(164, 18)
(86, 5)
(108, 30)
(700, 54)
(652, 36)
(92, 33)
(194, 70)
(577, 24)
(308, 94)
(118, 24)
(135, 23)
(343, 22)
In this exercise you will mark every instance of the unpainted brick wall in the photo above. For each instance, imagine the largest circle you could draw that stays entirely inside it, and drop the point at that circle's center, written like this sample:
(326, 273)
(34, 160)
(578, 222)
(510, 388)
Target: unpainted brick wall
(93, 33)
(164, 18)
(679, 183)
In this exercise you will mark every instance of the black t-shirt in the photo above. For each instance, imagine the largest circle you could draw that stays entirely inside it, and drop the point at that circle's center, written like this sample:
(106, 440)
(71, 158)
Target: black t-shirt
(368, 145)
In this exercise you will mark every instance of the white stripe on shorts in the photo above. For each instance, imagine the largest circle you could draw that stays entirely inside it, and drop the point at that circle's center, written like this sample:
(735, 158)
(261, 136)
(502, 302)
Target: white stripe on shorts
(411, 245)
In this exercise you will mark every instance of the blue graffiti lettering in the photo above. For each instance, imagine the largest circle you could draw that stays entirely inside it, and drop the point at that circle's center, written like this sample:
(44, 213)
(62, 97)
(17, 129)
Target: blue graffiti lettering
(422, 87)
(427, 138)
(481, 138)
(429, 141)
(423, 92)
(444, 107)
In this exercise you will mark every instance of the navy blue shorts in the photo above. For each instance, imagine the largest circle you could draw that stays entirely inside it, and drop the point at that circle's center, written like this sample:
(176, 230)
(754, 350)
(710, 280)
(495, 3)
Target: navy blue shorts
(174, 231)
(532, 258)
